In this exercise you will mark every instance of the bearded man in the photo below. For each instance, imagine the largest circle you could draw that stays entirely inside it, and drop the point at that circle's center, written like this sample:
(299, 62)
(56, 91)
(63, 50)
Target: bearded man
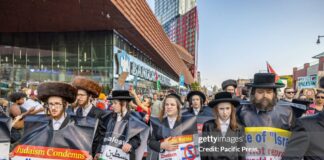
(264, 111)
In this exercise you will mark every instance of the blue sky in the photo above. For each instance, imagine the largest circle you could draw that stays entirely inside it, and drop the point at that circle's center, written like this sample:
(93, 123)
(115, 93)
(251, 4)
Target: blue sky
(237, 37)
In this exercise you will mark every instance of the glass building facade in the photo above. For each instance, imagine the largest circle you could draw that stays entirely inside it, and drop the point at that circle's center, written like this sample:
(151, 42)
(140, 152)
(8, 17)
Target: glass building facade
(165, 10)
(29, 58)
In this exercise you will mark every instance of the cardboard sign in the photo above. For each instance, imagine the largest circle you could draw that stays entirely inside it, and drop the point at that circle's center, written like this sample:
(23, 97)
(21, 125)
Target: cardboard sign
(113, 153)
(4, 148)
(122, 78)
(307, 82)
(188, 148)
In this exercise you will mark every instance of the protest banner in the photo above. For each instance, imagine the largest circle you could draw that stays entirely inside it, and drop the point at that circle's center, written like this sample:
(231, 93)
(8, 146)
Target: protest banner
(265, 143)
(40, 141)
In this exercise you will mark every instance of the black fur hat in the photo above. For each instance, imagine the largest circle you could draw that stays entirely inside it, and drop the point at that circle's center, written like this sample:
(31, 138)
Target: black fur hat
(16, 96)
(60, 89)
(89, 85)
(229, 82)
(223, 97)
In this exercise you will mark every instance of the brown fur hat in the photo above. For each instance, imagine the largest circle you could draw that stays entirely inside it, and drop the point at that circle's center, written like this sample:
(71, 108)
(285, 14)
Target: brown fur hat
(60, 89)
(89, 85)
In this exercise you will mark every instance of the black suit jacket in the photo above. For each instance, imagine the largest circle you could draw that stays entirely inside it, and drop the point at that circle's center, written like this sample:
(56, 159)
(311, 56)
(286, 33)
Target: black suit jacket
(94, 112)
(307, 140)
(163, 130)
(107, 125)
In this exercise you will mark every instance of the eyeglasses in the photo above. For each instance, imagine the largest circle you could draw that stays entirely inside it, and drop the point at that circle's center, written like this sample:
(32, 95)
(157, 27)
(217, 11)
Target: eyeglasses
(290, 92)
(319, 97)
(51, 105)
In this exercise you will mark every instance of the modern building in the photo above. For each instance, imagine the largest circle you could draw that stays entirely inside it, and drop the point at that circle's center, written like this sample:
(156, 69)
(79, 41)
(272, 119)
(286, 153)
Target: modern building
(104, 40)
(179, 19)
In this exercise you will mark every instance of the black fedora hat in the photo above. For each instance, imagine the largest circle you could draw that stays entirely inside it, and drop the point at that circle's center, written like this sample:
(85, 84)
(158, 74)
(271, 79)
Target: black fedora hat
(223, 97)
(174, 95)
(229, 82)
(265, 80)
(120, 95)
(300, 106)
(198, 93)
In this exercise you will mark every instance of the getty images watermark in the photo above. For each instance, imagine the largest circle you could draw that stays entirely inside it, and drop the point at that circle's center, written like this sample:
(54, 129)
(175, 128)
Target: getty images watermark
(224, 144)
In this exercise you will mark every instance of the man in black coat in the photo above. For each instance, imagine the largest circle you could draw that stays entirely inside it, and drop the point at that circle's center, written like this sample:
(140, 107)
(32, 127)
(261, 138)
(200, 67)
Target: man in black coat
(264, 111)
(229, 86)
(307, 138)
(265, 116)
(87, 91)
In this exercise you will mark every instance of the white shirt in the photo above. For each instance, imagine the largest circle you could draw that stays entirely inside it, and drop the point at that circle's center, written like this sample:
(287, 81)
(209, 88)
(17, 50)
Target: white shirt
(224, 126)
(196, 111)
(75, 110)
(31, 103)
(85, 111)
(119, 116)
(57, 123)
(172, 121)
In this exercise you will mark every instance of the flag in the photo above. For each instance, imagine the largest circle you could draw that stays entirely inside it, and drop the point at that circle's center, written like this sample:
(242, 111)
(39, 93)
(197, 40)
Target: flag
(271, 70)
(158, 85)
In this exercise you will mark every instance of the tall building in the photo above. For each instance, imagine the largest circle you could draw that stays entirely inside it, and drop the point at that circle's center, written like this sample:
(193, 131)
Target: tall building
(99, 39)
(179, 19)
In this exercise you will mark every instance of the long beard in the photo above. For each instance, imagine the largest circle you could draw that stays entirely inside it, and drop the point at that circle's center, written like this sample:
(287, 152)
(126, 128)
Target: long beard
(264, 104)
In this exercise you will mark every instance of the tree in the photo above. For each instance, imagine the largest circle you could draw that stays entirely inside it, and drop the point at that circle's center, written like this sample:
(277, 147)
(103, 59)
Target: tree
(195, 86)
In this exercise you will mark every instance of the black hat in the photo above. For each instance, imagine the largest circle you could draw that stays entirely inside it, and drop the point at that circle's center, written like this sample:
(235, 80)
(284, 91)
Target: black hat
(321, 82)
(174, 95)
(198, 93)
(265, 80)
(300, 106)
(60, 89)
(303, 102)
(223, 97)
(229, 82)
(16, 96)
(120, 95)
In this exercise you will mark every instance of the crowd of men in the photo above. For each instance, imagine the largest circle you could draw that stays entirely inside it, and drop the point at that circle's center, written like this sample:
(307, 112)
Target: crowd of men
(127, 125)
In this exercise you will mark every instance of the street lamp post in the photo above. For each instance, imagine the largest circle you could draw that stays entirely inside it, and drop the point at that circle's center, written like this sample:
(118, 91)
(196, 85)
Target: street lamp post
(318, 39)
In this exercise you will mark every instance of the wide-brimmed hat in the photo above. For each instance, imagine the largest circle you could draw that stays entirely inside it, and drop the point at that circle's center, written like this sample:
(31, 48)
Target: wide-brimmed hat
(229, 82)
(174, 95)
(120, 95)
(265, 80)
(198, 93)
(88, 85)
(60, 89)
(223, 97)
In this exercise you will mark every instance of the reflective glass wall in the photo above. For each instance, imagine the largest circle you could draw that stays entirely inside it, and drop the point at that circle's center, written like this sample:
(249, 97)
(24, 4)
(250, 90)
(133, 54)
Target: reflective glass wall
(37, 57)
